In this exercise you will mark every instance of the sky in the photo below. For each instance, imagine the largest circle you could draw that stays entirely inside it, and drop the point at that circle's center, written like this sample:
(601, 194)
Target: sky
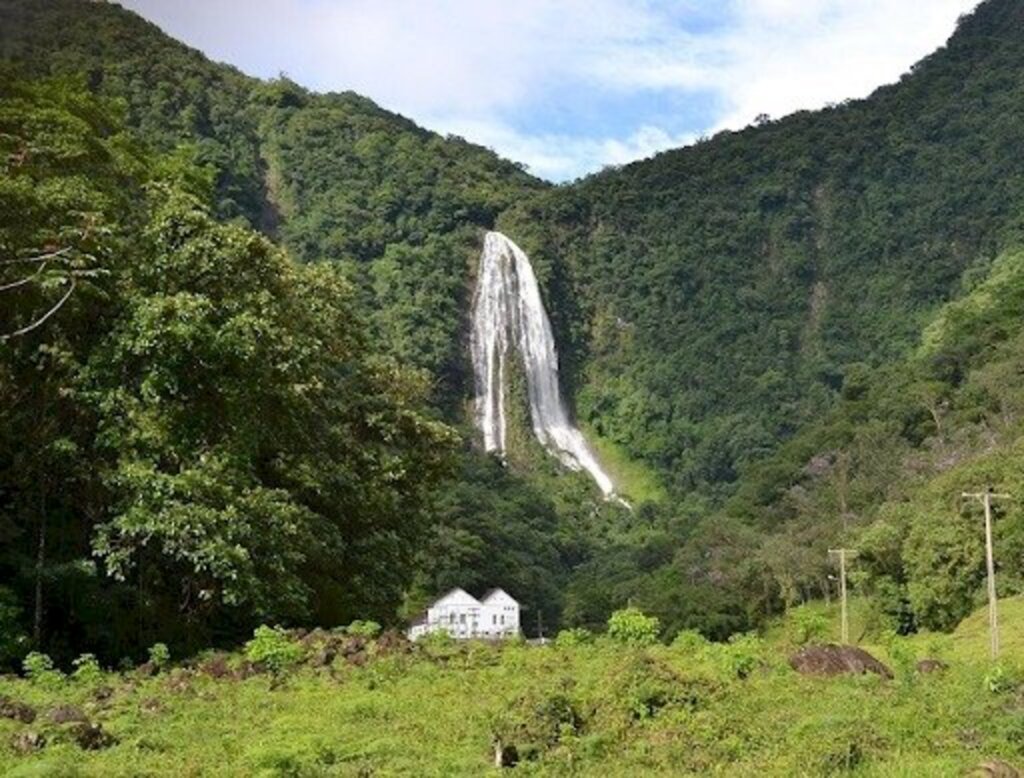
(568, 87)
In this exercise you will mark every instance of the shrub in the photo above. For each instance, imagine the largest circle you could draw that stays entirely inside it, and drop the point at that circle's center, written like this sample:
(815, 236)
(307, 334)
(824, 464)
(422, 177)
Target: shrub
(743, 653)
(632, 626)
(87, 670)
(39, 670)
(438, 640)
(570, 638)
(999, 680)
(366, 629)
(159, 655)
(641, 686)
(273, 648)
(690, 641)
(808, 626)
(537, 721)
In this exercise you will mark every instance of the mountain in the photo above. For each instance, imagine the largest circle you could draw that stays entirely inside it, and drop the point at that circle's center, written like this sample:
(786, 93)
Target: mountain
(762, 334)
(712, 300)
(333, 176)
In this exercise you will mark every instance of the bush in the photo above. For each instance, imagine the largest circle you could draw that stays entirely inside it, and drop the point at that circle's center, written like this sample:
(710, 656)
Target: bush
(87, 670)
(690, 641)
(632, 626)
(808, 626)
(366, 629)
(39, 670)
(999, 680)
(570, 638)
(743, 653)
(159, 655)
(273, 648)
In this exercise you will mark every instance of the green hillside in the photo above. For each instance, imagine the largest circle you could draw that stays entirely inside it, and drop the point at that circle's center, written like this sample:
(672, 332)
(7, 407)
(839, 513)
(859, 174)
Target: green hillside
(714, 299)
(599, 707)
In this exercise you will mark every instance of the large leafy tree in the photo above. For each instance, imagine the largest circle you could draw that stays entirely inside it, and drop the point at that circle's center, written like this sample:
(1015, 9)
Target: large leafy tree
(198, 430)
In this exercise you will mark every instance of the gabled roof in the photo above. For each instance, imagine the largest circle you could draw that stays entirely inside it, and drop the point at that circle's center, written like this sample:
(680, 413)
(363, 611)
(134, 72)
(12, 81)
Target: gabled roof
(494, 592)
(457, 590)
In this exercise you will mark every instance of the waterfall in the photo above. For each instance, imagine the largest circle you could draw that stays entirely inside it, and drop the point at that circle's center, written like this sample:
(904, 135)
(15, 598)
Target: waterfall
(508, 314)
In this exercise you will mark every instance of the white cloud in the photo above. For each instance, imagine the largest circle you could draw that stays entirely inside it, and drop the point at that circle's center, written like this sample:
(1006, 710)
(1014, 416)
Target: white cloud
(478, 67)
(562, 157)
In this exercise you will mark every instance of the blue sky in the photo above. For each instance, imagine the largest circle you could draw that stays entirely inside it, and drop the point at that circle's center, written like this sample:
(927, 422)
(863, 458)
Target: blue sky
(570, 86)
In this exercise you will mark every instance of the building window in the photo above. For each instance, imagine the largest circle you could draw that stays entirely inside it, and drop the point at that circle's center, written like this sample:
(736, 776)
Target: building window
(451, 618)
(462, 618)
(494, 618)
(503, 618)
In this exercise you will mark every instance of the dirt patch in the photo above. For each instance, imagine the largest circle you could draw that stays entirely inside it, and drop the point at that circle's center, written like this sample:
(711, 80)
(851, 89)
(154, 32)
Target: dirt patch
(19, 711)
(831, 659)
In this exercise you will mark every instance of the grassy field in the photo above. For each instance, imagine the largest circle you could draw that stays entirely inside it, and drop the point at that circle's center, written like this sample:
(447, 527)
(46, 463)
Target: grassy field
(600, 708)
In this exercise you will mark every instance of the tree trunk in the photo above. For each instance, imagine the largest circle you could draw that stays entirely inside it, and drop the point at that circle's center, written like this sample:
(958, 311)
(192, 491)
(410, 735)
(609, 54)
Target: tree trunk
(37, 620)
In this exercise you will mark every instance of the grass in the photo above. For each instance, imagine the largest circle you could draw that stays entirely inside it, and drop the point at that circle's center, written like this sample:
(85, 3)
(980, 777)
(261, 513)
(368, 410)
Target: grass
(633, 480)
(596, 709)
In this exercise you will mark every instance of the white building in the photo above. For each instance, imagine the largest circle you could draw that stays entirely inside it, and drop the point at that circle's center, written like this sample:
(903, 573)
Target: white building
(463, 616)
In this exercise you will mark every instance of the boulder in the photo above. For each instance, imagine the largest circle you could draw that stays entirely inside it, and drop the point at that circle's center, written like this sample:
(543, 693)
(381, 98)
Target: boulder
(64, 714)
(27, 742)
(931, 666)
(831, 659)
(216, 666)
(19, 711)
(995, 768)
(92, 737)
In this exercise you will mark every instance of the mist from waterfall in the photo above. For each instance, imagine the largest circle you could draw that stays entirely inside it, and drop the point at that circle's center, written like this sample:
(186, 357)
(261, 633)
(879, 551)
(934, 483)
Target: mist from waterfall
(508, 315)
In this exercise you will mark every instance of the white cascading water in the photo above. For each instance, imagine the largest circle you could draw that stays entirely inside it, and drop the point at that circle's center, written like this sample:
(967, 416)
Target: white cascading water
(508, 314)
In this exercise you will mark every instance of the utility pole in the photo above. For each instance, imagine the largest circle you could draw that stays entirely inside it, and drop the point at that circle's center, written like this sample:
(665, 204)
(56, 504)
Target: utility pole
(843, 553)
(985, 498)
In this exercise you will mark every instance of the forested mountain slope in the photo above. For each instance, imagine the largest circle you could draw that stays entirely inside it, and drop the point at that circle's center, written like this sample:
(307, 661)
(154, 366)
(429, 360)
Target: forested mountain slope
(743, 317)
(711, 300)
(333, 176)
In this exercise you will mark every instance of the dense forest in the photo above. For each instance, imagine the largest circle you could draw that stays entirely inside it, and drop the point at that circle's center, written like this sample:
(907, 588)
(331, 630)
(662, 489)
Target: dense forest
(252, 404)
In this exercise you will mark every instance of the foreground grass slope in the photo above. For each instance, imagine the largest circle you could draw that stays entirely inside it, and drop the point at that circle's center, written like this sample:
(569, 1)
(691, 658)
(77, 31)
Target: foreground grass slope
(594, 708)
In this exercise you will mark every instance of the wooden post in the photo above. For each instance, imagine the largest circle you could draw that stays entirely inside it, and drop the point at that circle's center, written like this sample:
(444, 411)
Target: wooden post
(842, 553)
(986, 498)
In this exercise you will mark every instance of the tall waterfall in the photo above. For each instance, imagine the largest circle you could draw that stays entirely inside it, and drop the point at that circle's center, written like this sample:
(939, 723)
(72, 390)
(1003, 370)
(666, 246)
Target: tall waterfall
(508, 314)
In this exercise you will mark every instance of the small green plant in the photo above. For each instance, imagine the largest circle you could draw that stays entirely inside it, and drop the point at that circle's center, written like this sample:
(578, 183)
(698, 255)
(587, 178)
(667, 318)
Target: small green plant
(159, 655)
(273, 648)
(689, 641)
(39, 669)
(366, 629)
(634, 627)
(438, 641)
(903, 658)
(999, 680)
(742, 654)
(809, 626)
(571, 638)
(87, 670)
